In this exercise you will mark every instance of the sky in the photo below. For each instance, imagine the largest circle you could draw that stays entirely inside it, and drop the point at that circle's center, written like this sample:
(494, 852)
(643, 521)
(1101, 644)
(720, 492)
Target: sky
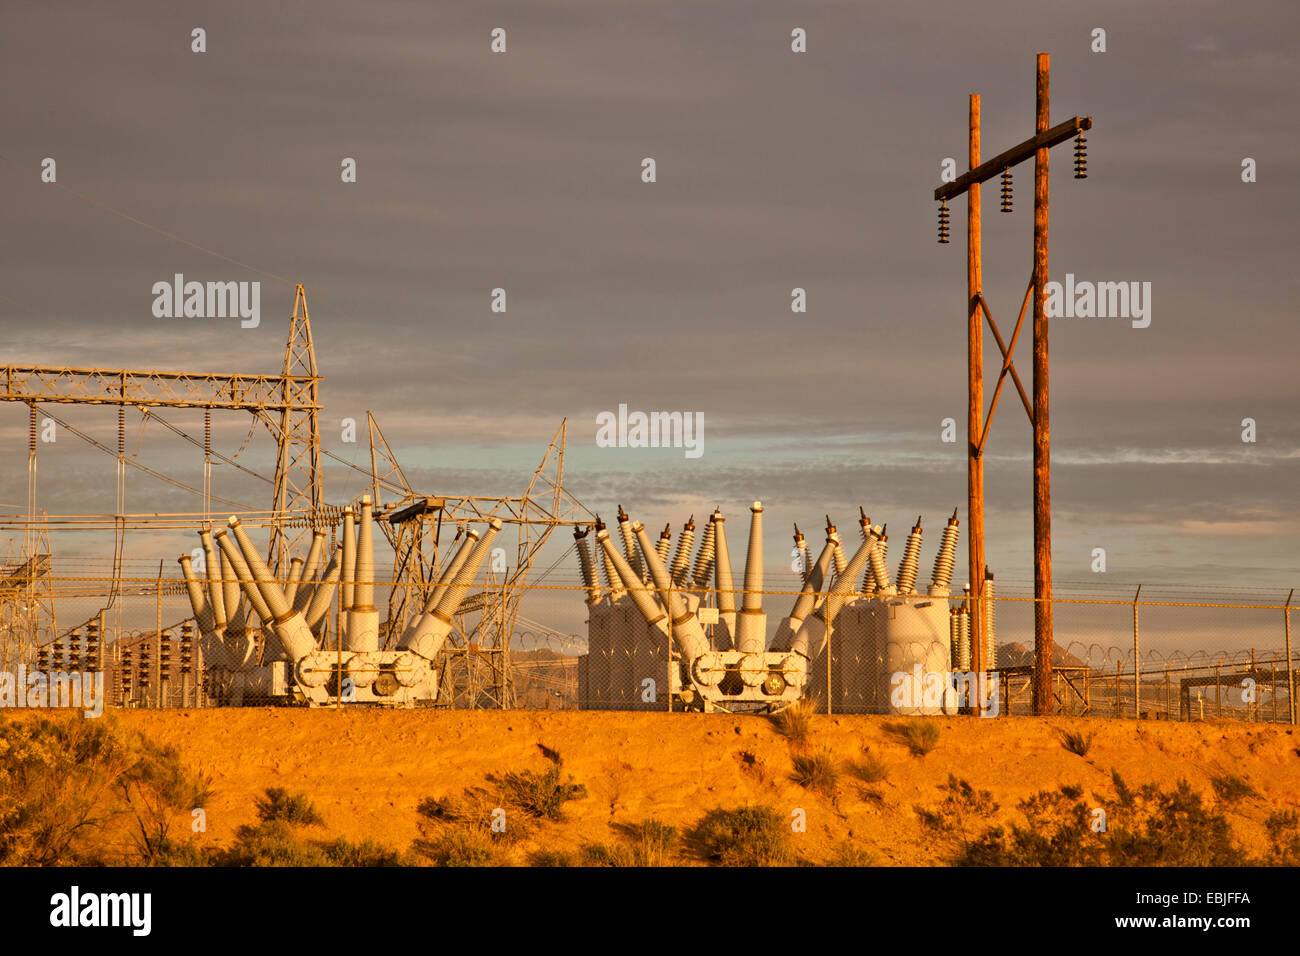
(775, 170)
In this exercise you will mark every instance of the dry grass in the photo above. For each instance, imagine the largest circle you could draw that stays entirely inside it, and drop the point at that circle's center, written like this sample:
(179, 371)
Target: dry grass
(1076, 743)
(794, 723)
(870, 769)
(920, 736)
(817, 772)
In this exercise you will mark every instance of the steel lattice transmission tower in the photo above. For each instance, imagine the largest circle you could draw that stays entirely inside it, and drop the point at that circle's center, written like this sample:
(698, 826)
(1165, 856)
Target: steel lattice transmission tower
(297, 465)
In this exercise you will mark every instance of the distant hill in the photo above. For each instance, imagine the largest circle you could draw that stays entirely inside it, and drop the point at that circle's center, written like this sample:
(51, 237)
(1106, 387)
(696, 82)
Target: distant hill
(1019, 655)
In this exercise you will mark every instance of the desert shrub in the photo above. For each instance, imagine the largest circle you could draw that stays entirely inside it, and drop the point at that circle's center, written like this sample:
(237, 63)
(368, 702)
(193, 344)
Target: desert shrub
(1076, 743)
(1229, 788)
(606, 854)
(460, 831)
(847, 854)
(870, 769)
(367, 853)
(271, 843)
(551, 858)
(794, 722)
(816, 772)
(77, 791)
(747, 836)
(956, 818)
(1147, 826)
(1058, 833)
(1168, 828)
(462, 846)
(648, 843)
(541, 795)
(1283, 838)
(279, 804)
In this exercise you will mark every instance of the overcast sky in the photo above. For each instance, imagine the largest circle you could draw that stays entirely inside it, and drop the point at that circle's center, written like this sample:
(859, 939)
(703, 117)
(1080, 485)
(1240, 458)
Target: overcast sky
(775, 170)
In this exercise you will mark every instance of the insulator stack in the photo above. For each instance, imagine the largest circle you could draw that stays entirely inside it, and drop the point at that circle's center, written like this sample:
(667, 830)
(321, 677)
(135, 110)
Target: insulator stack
(1006, 189)
(941, 577)
(31, 430)
(864, 526)
(990, 625)
(1080, 156)
(665, 542)
(805, 560)
(879, 555)
(121, 430)
(841, 562)
(704, 559)
(629, 544)
(612, 580)
(911, 556)
(94, 647)
(682, 559)
(954, 640)
(207, 432)
(585, 565)
(961, 639)
(943, 223)
(187, 648)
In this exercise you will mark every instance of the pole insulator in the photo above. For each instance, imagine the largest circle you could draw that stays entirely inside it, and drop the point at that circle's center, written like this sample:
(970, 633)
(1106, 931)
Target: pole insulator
(1006, 190)
(1080, 156)
(943, 222)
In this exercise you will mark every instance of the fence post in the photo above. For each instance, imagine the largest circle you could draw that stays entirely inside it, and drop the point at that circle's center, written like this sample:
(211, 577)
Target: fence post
(1137, 665)
(158, 641)
(1254, 676)
(830, 634)
(1290, 673)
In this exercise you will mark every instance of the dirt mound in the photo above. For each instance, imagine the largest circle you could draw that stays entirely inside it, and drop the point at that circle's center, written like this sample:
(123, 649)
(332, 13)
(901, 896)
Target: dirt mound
(366, 771)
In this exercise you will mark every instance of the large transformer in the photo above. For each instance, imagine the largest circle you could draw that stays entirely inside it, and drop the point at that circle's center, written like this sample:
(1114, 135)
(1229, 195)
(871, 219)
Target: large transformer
(282, 661)
(654, 642)
(659, 639)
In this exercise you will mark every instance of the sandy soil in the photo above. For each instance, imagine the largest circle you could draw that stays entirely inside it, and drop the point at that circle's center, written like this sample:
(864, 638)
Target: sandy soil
(366, 771)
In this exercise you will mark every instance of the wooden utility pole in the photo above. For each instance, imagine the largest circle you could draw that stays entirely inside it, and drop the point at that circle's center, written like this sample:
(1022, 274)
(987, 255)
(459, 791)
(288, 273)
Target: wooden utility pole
(975, 405)
(1038, 147)
(1042, 433)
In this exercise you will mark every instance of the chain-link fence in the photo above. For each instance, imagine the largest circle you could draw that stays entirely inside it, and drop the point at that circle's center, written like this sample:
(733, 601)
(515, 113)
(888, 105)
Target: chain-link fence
(570, 647)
